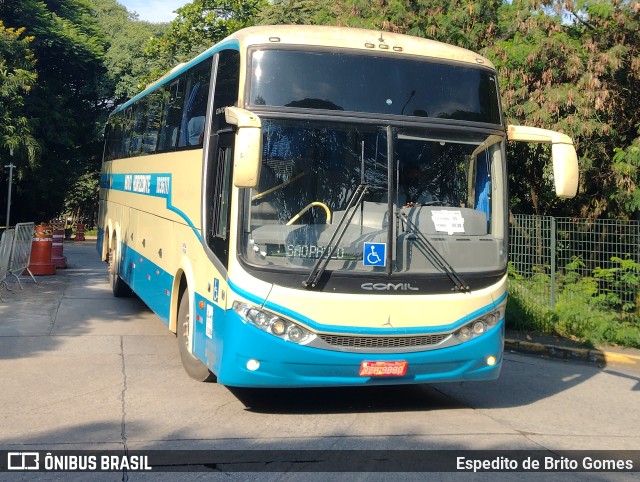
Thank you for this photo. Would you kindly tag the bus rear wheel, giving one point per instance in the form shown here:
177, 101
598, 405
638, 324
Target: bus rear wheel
192, 365
119, 288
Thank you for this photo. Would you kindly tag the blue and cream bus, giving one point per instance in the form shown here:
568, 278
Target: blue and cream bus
319, 206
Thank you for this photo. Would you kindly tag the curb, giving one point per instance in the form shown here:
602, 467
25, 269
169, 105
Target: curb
589, 355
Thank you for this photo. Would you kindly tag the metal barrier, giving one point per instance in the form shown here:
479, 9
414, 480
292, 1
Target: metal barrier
5, 253
543, 249
21, 251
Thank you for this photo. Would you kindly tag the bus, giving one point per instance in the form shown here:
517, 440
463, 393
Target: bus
309, 206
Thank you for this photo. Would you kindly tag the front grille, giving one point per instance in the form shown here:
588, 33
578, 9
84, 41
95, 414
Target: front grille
382, 342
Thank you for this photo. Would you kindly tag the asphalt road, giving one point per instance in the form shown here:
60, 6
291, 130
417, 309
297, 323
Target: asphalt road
80, 370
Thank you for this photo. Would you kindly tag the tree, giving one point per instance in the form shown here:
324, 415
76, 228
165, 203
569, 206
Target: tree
198, 26
64, 105
296, 12
468, 24
126, 37
572, 66
17, 77
81, 198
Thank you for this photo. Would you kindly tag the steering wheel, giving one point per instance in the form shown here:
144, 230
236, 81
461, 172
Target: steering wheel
309, 206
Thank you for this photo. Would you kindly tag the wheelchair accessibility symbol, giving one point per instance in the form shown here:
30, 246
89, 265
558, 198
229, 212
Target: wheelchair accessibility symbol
375, 254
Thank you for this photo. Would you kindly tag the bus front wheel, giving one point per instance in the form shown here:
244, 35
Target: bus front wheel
192, 365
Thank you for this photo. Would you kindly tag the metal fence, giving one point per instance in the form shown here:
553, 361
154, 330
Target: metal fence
550, 253
21, 251
6, 241
15, 254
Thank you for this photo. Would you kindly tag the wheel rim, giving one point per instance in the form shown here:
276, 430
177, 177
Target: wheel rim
185, 332
111, 266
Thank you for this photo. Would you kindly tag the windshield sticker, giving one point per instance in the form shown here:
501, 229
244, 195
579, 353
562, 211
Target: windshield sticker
448, 221
375, 254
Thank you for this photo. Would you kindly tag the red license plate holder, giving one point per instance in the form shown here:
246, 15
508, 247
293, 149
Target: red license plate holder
383, 368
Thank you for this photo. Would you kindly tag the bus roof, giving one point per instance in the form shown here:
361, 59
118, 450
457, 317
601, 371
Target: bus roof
326, 36
355, 38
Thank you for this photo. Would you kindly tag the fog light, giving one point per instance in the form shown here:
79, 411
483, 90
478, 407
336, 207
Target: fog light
253, 365
491, 360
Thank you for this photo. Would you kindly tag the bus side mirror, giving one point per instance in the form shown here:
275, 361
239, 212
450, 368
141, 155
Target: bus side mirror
563, 154
248, 146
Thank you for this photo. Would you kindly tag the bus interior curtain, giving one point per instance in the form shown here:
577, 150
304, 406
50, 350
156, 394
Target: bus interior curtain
483, 185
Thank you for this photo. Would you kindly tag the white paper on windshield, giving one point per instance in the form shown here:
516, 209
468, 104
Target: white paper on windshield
449, 222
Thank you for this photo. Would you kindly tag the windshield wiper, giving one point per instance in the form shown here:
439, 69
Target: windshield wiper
434, 255
336, 237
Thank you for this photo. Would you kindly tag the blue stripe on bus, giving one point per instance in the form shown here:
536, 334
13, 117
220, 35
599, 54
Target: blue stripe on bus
232, 44
158, 185
149, 281
295, 316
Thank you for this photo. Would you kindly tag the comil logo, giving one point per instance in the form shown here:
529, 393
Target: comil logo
388, 287
23, 461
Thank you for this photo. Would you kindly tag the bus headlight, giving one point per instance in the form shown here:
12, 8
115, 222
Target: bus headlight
277, 326
481, 325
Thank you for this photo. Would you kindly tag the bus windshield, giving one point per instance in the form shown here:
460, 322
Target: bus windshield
420, 183
341, 81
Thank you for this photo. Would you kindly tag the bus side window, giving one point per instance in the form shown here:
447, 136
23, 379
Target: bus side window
154, 119
221, 198
221, 157
113, 137
222, 192
226, 90
127, 131
139, 125
171, 116
195, 107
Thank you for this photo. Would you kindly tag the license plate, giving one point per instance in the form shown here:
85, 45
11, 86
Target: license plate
383, 368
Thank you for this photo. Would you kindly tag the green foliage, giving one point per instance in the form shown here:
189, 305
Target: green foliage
588, 308
296, 12
524, 313
198, 26
626, 172
624, 278
17, 77
81, 200
64, 106
463, 23
573, 66
126, 65
576, 316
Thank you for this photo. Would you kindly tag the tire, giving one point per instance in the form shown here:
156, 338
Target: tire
119, 288
192, 365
